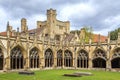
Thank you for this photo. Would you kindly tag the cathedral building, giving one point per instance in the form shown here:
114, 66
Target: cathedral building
51, 45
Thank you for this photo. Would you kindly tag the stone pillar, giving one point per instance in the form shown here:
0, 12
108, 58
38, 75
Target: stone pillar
55, 58
6, 64
108, 65
42, 59
27, 58
90, 63
63, 58
74, 59
27, 63
24, 63
108, 61
7, 59
42, 66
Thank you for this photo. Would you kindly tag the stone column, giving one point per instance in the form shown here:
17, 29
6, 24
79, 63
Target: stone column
55, 59
27, 60
6, 64
42, 58
63, 58
108, 61
74, 59
108, 65
7, 58
90, 63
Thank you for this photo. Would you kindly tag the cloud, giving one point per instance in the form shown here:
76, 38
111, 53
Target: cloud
102, 15
113, 22
81, 10
33, 19
3, 18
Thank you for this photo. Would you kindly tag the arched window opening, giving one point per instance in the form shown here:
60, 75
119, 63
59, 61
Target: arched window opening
59, 58
115, 62
68, 59
82, 59
99, 63
16, 58
49, 58
1, 59
34, 58
99, 59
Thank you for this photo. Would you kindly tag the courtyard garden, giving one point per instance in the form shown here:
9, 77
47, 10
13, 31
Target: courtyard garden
58, 75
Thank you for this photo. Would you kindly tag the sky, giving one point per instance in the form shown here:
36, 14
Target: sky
102, 15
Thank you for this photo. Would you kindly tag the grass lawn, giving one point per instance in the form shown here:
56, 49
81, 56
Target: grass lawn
58, 75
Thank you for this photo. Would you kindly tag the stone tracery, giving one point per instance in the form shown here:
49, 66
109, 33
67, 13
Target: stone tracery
49, 58
82, 59
16, 58
68, 58
34, 58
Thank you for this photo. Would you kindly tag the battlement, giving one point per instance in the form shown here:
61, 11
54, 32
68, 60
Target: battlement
51, 11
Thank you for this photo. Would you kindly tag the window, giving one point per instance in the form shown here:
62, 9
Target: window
46, 35
57, 37
61, 27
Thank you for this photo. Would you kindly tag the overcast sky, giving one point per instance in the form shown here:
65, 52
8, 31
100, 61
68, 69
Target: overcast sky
102, 15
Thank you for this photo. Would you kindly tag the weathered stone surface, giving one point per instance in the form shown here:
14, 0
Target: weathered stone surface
67, 49
84, 73
26, 73
73, 75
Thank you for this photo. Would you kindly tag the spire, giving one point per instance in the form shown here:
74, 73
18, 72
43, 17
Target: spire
108, 37
99, 38
8, 29
8, 26
17, 29
8, 23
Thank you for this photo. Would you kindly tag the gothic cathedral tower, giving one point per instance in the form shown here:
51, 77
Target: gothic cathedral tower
51, 21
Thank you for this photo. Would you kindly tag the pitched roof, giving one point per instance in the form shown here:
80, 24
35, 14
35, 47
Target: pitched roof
96, 38
68, 37
37, 30
3, 33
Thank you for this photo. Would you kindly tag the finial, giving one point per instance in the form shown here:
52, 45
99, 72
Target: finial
17, 29
8, 23
8, 26
99, 38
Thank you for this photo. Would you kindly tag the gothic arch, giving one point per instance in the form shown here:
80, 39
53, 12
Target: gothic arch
99, 53
82, 49
115, 59
99, 58
59, 58
17, 58
82, 59
19, 44
68, 58
99, 63
34, 58
1, 59
49, 58
113, 51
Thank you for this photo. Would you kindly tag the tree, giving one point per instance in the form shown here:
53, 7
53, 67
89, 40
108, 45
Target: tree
114, 34
88, 34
